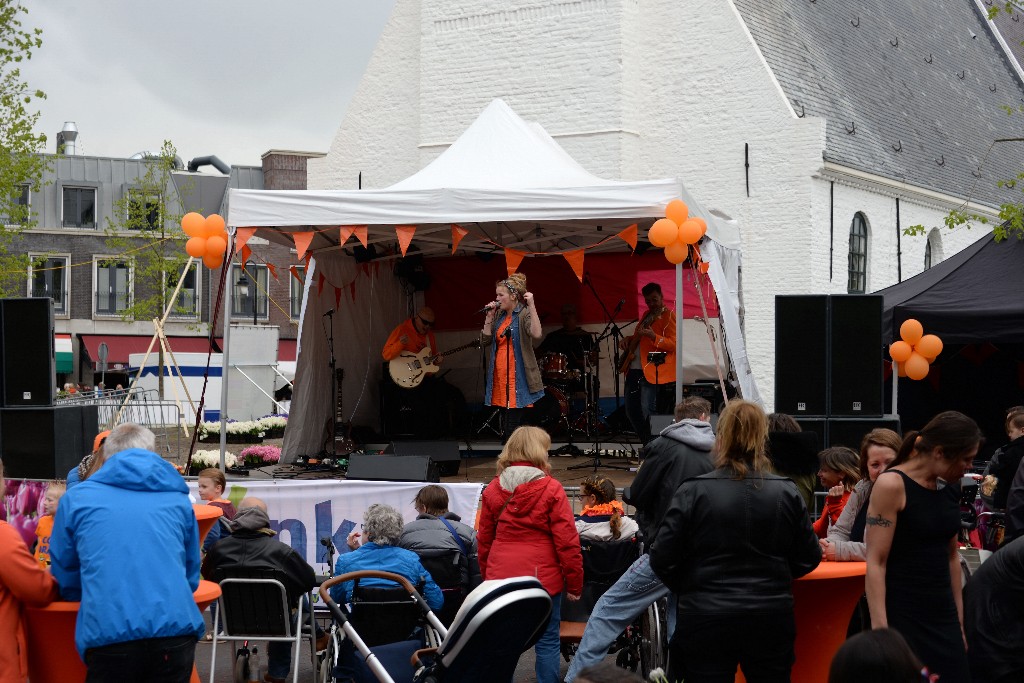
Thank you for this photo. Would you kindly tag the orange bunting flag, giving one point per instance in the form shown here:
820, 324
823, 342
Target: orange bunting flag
344, 232
361, 233
245, 252
575, 259
242, 236
458, 232
273, 270
337, 298
512, 259
320, 283
302, 240
294, 270
404, 233
628, 236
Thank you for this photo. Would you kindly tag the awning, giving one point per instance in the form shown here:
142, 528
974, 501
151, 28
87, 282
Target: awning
119, 347
62, 353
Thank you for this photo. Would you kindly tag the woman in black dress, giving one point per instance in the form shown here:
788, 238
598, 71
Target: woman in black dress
913, 568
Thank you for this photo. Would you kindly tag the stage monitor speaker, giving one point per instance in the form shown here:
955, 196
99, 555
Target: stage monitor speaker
855, 355
848, 431
28, 365
817, 426
46, 442
659, 422
445, 454
392, 468
801, 355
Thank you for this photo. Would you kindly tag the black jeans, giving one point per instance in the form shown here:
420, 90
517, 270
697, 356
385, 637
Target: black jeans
707, 648
157, 660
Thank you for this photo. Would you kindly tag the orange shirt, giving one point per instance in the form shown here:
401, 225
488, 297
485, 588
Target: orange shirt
664, 328
22, 581
416, 341
503, 370
43, 530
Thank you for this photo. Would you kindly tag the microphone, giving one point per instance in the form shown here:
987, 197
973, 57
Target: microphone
326, 542
328, 314
618, 306
489, 307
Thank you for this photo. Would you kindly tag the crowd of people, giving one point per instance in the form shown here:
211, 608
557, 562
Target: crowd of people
725, 533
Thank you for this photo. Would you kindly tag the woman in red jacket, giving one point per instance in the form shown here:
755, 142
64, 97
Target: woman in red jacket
839, 473
527, 529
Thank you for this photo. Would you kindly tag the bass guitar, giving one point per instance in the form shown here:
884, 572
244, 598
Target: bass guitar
634, 341
408, 369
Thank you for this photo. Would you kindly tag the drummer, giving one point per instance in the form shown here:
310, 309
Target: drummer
571, 340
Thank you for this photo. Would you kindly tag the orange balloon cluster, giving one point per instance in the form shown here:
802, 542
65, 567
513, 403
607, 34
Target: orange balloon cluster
208, 238
676, 231
915, 350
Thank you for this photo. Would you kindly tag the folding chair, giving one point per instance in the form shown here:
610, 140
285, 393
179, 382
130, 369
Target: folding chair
257, 609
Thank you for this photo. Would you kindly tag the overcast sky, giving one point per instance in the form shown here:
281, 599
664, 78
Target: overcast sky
231, 78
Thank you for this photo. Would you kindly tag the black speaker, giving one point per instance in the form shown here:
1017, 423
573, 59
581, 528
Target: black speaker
659, 422
801, 355
28, 365
392, 468
817, 426
445, 454
848, 431
855, 355
45, 443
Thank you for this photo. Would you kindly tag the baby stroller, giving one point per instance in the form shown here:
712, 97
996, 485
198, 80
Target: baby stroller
497, 622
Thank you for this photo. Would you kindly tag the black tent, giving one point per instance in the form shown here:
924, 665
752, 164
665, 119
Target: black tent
973, 301
971, 297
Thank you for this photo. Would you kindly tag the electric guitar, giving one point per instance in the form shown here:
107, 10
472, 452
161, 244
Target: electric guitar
408, 369
634, 341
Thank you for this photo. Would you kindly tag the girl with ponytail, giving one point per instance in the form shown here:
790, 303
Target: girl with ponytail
602, 518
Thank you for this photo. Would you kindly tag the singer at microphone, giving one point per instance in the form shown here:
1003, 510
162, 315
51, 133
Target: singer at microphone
491, 305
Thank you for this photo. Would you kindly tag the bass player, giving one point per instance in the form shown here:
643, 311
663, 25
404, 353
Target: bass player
656, 331
413, 334
420, 412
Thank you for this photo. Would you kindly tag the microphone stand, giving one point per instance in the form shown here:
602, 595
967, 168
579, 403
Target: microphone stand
329, 333
508, 373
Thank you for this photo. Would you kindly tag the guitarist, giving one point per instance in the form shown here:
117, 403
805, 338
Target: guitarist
420, 412
656, 331
413, 334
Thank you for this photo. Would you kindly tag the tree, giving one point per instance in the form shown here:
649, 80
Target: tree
21, 162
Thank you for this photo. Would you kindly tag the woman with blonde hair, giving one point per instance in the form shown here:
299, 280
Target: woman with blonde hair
514, 381
527, 529
729, 547
603, 518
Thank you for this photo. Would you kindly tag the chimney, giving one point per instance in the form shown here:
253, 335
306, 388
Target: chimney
66, 139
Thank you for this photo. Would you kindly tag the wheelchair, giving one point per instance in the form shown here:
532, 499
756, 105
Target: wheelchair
643, 646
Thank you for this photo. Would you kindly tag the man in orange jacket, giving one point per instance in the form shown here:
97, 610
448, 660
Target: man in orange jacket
656, 331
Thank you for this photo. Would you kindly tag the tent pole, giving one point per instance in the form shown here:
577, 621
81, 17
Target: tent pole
895, 389
679, 334
225, 364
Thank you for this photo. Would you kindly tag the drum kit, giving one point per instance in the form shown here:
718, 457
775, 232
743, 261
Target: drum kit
563, 384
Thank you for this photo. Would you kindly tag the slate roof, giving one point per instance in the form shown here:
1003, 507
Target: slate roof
911, 91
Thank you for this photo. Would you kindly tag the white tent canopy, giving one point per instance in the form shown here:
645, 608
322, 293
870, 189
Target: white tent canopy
502, 174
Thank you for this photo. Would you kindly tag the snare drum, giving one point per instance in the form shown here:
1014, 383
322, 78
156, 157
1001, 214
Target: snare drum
555, 367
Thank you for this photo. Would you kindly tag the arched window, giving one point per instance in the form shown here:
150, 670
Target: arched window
933, 249
858, 260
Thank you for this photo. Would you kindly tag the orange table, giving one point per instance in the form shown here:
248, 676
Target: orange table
50, 632
823, 602
206, 517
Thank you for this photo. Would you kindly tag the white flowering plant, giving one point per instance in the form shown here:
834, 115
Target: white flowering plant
203, 459
244, 431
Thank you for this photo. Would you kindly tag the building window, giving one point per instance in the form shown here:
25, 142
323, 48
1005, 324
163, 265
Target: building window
933, 249
928, 255
48, 276
295, 291
20, 210
113, 286
143, 211
186, 303
858, 261
250, 286
79, 207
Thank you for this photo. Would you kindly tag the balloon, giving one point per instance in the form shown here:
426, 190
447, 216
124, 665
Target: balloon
677, 211
929, 346
916, 366
196, 247
192, 223
214, 225
662, 233
213, 262
703, 225
901, 369
911, 331
689, 231
900, 351
216, 245
677, 252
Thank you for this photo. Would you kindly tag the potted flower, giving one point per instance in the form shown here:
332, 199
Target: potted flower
259, 456
273, 425
203, 459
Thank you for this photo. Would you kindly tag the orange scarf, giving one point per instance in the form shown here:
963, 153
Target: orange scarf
608, 509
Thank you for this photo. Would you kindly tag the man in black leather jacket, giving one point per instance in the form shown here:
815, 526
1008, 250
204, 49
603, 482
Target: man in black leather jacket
252, 551
681, 451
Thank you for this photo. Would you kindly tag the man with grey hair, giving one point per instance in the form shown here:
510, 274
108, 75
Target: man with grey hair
126, 544
382, 530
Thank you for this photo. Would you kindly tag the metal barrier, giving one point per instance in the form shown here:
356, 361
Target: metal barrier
142, 407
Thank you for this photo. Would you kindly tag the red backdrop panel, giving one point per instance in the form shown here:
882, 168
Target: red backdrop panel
462, 284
